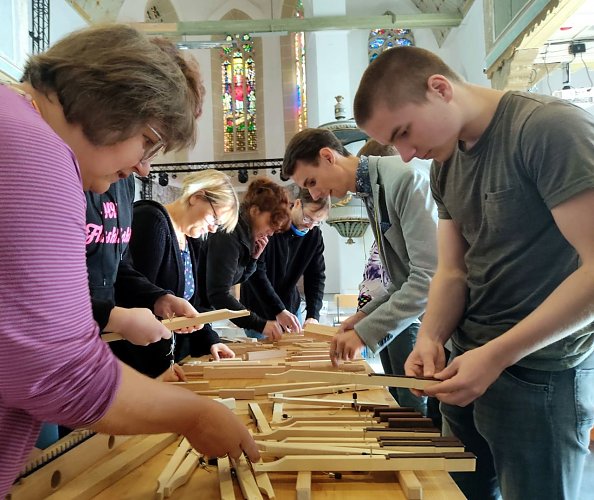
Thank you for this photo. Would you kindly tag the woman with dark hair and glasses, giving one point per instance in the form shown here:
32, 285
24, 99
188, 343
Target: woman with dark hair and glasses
230, 258
290, 255
161, 250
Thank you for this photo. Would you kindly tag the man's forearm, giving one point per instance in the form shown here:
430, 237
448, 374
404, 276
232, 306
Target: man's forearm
445, 305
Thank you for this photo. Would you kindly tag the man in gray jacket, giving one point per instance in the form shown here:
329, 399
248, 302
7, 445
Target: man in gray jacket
403, 218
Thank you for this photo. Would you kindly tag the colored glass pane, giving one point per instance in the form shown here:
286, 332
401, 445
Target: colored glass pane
239, 95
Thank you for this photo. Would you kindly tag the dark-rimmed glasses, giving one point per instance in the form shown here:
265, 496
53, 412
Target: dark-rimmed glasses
215, 217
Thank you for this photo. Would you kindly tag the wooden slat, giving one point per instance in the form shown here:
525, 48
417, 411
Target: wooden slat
96, 479
258, 416
246, 479
225, 479
238, 372
338, 377
174, 462
323, 402
182, 475
267, 354
66, 467
346, 463
410, 484
183, 322
303, 486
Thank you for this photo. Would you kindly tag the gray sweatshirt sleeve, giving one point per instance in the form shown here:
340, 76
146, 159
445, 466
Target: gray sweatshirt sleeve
412, 241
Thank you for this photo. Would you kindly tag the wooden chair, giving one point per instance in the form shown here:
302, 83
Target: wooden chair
344, 301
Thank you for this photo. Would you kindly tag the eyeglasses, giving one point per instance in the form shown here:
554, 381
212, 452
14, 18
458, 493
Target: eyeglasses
153, 149
215, 217
308, 220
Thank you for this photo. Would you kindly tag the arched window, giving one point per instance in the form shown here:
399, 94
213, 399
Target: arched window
380, 40
238, 71
300, 84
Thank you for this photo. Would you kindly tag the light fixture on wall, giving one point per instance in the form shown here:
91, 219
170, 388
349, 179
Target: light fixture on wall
163, 179
242, 175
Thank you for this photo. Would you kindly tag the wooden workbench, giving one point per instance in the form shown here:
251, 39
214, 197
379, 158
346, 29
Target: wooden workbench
141, 483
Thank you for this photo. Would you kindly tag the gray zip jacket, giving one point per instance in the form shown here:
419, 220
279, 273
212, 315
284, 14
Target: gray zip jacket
404, 224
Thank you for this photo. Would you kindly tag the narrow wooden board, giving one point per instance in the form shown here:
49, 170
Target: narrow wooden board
325, 365
258, 417
260, 390
96, 479
453, 462
316, 431
247, 481
303, 485
267, 354
66, 467
203, 318
175, 461
338, 377
183, 322
410, 484
327, 389
225, 372
338, 403
225, 479
192, 385
182, 475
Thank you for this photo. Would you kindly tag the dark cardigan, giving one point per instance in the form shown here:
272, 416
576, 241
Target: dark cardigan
226, 260
156, 254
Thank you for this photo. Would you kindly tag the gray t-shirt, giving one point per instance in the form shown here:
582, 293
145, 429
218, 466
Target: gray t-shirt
536, 153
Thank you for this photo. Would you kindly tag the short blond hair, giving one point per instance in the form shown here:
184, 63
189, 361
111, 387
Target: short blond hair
218, 189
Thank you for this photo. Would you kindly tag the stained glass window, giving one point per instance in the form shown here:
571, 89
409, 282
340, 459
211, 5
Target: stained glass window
300, 84
384, 39
239, 95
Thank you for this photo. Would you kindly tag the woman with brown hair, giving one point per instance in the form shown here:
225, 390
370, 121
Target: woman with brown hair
227, 259
96, 107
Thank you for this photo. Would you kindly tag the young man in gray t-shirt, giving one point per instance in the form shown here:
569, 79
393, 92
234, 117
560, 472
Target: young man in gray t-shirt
514, 289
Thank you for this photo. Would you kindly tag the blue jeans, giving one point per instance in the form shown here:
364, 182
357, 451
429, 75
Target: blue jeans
530, 432
393, 357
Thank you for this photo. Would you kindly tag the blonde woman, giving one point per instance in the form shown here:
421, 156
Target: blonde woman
161, 251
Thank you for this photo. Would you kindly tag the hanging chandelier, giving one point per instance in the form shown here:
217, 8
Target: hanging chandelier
349, 227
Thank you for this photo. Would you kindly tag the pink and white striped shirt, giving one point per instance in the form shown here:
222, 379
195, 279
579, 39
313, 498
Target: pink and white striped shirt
53, 365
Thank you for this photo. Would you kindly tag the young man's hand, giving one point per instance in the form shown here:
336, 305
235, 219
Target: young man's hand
345, 346
351, 321
467, 377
